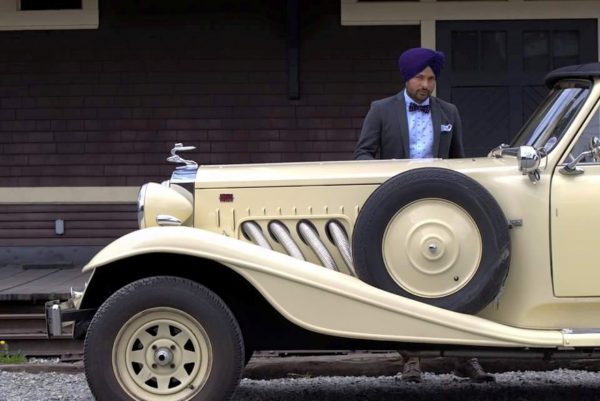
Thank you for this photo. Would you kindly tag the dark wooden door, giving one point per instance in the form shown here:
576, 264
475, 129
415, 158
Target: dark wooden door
495, 71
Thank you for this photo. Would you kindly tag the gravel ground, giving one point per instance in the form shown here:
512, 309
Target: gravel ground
514, 386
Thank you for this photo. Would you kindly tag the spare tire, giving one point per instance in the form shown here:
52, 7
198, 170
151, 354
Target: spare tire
436, 236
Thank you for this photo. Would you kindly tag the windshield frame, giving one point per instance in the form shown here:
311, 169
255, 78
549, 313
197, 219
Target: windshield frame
555, 114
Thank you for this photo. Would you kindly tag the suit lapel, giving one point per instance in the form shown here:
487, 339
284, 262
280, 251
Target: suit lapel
436, 120
403, 123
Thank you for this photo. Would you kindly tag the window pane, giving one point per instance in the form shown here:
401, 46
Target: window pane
465, 52
32, 5
566, 48
536, 54
553, 117
493, 49
583, 143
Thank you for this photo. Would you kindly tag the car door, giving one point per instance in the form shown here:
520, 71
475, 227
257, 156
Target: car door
575, 220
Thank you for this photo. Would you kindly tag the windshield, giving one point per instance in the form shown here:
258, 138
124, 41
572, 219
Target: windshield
554, 115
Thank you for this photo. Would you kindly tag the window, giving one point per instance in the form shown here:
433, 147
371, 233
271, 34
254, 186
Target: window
583, 142
554, 116
17, 15
37, 5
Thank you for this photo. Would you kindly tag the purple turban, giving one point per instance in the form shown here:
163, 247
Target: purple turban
413, 61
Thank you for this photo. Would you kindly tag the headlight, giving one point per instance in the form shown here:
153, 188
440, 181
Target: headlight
157, 200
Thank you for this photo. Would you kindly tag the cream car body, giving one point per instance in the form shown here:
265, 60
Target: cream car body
548, 301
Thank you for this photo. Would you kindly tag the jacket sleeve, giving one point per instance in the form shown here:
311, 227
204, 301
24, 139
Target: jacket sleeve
370, 135
456, 145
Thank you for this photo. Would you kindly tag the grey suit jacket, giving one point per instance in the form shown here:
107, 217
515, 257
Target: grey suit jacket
384, 132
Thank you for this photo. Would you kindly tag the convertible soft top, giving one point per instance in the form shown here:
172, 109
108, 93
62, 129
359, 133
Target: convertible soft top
586, 71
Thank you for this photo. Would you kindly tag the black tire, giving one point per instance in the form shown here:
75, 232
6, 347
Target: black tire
163, 338
382, 220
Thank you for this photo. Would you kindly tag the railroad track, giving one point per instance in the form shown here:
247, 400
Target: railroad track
24, 329
26, 333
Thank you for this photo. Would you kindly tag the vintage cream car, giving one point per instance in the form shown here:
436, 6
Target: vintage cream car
490, 256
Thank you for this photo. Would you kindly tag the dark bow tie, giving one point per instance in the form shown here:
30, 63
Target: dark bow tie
417, 107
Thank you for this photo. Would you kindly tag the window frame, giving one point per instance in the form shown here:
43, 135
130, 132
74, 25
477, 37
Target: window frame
12, 18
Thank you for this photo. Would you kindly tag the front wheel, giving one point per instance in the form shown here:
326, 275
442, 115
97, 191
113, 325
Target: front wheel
163, 338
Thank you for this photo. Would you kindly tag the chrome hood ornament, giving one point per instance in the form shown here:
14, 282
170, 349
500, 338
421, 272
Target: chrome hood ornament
175, 158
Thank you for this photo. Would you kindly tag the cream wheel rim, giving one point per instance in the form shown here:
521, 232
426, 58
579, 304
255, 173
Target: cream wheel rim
432, 248
162, 352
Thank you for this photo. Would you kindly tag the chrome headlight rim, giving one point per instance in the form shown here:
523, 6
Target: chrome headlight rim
141, 200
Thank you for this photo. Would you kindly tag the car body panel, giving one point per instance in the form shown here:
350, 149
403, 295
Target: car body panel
325, 301
574, 216
575, 220
520, 304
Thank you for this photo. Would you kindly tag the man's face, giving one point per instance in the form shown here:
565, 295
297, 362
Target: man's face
421, 85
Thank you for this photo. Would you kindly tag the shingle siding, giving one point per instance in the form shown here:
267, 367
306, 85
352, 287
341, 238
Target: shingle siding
113, 101
85, 225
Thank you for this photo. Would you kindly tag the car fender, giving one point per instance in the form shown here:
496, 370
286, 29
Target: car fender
323, 300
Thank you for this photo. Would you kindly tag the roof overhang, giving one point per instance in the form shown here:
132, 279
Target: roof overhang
357, 12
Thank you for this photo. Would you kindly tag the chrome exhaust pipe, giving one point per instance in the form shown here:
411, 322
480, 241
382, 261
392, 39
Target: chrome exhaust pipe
282, 235
311, 237
338, 234
254, 232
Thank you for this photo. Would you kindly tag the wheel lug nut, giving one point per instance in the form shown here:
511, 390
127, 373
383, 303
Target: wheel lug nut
154, 366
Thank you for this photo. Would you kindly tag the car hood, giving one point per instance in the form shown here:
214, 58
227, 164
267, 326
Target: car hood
355, 172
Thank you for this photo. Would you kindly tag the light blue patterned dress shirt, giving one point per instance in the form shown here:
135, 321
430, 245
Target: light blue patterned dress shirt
420, 128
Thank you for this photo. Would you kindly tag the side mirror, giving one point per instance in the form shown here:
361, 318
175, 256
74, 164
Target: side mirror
529, 159
572, 169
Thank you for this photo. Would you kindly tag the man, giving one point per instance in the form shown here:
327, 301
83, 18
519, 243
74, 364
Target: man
413, 124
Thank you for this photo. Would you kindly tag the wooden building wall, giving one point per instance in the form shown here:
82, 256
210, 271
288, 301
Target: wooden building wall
103, 107
89, 224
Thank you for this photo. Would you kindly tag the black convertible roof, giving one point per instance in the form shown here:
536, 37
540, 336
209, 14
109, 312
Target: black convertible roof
585, 71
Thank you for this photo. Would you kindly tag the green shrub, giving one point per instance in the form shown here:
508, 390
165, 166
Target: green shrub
7, 357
